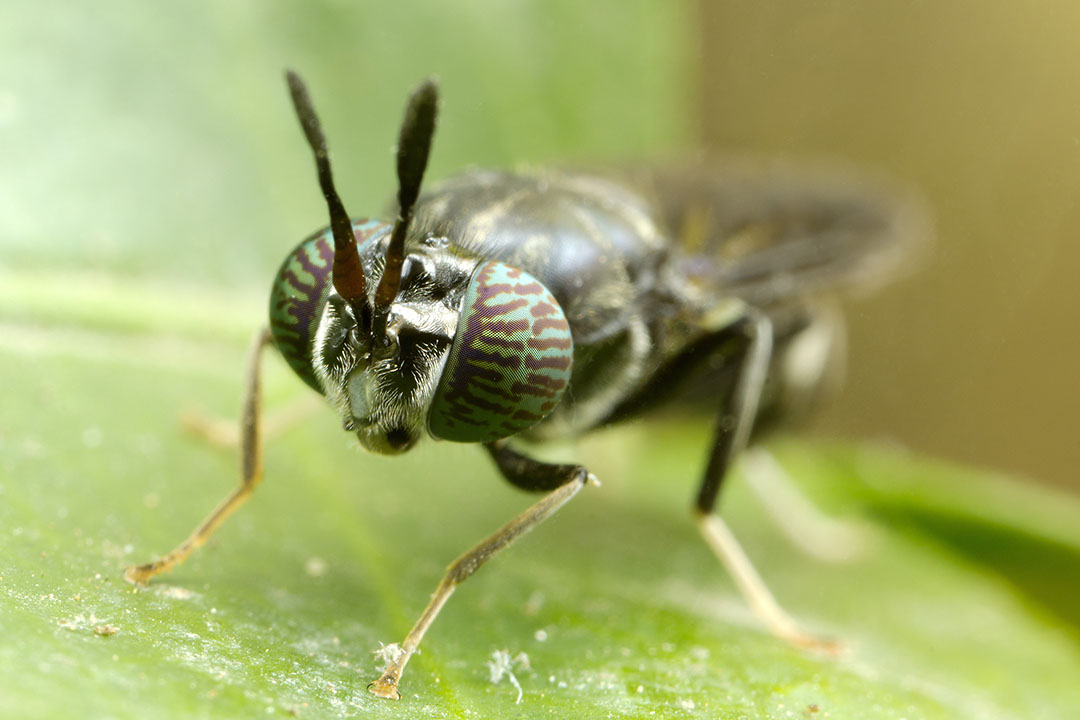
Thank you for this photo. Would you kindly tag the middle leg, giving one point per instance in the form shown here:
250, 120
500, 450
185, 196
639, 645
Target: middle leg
751, 339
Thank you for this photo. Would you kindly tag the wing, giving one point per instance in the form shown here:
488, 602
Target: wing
769, 233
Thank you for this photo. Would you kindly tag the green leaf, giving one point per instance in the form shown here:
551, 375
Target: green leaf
963, 605
153, 177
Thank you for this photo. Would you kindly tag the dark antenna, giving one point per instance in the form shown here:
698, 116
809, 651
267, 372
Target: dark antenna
414, 145
348, 274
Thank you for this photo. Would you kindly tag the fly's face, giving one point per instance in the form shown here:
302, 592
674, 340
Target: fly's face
384, 389
471, 351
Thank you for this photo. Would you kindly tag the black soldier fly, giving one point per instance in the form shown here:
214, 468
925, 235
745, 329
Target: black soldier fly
549, 303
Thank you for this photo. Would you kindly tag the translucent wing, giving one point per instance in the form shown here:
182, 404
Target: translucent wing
770, 233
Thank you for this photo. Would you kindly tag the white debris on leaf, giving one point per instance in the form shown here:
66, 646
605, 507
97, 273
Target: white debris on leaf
174, 592
386, 654
502, 665
315, 567
81, 622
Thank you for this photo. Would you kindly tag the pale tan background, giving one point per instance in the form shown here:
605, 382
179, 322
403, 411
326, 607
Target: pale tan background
978, 105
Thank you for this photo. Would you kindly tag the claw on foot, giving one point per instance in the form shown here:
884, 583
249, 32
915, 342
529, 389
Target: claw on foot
385, 687
813, 643
139, 574
219, 433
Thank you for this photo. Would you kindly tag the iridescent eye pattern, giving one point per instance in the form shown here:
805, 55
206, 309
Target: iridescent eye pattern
510, 362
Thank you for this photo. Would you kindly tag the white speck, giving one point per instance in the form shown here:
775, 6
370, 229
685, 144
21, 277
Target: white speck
540, 635
175, 592
534, 603
88, 622
386, 654
92, 437
667, 647
686, 704
315, 567
502, 665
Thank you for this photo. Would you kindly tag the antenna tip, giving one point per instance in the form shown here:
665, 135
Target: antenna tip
423, 105
295, 83
428, 88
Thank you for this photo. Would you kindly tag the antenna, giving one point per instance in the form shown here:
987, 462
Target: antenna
348, 274
414, 146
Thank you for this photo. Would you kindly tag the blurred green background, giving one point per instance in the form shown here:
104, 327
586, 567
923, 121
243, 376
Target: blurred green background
152, 176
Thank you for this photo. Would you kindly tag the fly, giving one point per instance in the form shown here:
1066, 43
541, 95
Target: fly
505, 305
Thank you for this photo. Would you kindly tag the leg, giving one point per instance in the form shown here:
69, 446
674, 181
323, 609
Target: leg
224, 433
738, 411
251, 473
564, 482
824, 538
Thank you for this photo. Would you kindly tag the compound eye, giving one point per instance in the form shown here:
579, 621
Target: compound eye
301, 292
510, 361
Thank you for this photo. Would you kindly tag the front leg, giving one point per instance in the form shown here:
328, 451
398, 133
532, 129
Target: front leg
251, 468
563, 482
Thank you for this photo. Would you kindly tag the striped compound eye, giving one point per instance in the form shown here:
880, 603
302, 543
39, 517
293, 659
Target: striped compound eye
510, 361
301, 288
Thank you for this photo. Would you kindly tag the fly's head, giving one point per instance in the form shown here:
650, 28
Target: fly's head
402, 335
383, 385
